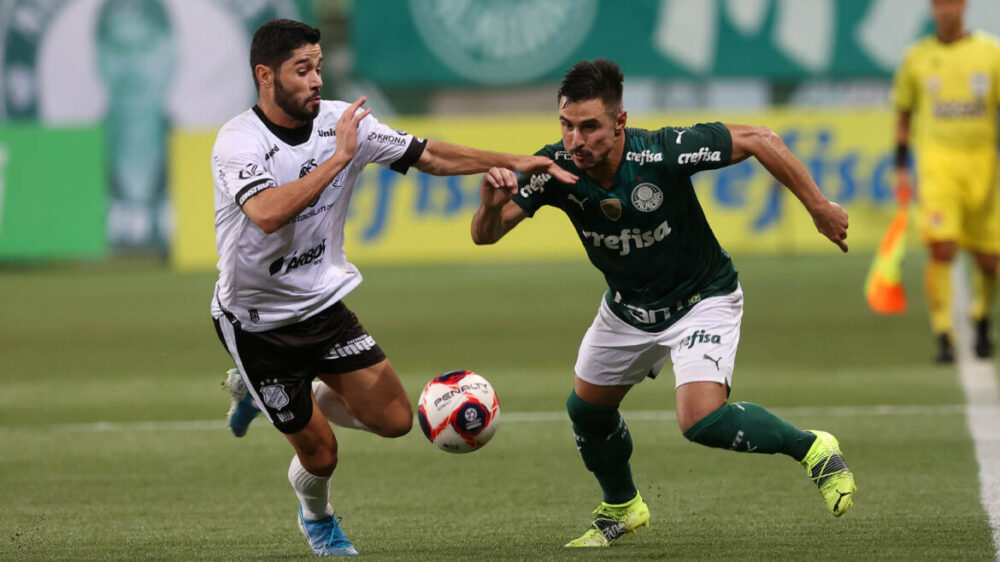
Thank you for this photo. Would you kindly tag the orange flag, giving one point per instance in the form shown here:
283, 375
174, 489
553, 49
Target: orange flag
884, 286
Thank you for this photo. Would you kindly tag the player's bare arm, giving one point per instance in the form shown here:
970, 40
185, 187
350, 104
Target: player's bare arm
274, 207
772, 152
903, 180
445, 159
496, 214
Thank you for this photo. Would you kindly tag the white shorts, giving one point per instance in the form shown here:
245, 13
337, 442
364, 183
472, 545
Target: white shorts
702, 345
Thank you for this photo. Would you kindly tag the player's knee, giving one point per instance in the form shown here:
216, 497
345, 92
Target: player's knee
320, 461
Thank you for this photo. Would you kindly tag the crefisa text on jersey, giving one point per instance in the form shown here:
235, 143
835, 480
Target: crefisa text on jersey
643, 157
628, 237
703, 155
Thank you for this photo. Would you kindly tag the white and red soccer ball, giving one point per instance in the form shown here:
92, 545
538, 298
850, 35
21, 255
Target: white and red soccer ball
458, 411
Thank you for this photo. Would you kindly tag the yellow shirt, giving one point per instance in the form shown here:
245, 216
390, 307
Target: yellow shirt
952, 90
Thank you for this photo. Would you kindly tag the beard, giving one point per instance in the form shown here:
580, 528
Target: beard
287, 103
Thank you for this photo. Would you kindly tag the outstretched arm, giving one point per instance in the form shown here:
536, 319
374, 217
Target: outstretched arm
445, 159
762, 143
496, 214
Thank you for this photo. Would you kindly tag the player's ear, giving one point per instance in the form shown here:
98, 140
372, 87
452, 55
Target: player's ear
620, 122
265, 75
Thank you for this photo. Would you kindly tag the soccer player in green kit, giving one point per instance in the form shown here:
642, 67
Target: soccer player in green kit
672, 289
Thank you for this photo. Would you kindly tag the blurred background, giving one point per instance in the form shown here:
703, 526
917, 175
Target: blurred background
113, 441
109, 108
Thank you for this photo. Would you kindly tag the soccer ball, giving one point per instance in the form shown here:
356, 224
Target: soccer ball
458, 411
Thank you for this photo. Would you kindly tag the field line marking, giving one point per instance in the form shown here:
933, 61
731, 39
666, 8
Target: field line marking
521, 417
982, 398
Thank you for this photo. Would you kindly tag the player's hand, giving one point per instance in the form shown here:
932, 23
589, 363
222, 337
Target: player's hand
497, 187
831, 221
904, 186
543, 165
346, 129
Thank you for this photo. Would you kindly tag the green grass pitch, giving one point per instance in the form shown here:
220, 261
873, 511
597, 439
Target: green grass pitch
132, 345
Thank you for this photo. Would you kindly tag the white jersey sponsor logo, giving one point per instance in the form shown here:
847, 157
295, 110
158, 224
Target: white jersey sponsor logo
703, 155
535, 185
643, 157
628, 238
353, 347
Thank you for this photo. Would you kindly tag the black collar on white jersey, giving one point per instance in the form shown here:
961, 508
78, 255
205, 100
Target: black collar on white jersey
291, 137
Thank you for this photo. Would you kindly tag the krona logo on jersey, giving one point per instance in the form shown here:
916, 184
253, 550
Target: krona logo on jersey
312, 255
703, 155
643, 157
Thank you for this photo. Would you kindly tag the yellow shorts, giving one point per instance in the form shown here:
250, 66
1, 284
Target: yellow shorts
958, 198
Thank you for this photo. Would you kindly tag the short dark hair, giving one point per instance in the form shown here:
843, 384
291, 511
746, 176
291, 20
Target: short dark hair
586, 80
274, 42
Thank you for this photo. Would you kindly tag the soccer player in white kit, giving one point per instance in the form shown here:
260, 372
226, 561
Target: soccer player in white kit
284, 172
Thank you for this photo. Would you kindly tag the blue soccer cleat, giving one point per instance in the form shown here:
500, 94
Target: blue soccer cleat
325, 537
242, 410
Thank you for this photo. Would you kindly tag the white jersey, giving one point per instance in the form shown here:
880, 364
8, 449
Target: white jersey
271, 280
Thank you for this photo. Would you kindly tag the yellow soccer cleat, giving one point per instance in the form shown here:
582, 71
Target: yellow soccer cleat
825, 465
613, 521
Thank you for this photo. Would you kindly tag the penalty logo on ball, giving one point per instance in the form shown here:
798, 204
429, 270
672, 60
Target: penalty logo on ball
458, 411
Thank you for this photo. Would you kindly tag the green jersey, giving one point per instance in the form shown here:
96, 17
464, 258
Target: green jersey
647, 234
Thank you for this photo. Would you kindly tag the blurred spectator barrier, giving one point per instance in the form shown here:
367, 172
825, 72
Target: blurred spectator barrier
139, 68
456, 42
53, 194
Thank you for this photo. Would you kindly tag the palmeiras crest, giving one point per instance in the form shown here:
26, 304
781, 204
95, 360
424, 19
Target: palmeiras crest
612, 208
647, 197
274, 396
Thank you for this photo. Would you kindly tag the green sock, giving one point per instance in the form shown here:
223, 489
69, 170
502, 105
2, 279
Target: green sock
605, 445
750, 428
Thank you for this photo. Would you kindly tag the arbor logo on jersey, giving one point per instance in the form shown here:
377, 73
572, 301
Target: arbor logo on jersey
643, 157
535, 184
647, 197
703, 155
313, 255
628, 238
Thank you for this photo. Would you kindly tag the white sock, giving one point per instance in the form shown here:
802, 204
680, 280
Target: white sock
333, 407
313, 491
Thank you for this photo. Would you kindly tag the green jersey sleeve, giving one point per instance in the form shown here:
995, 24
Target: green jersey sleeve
703, 146
536, 190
